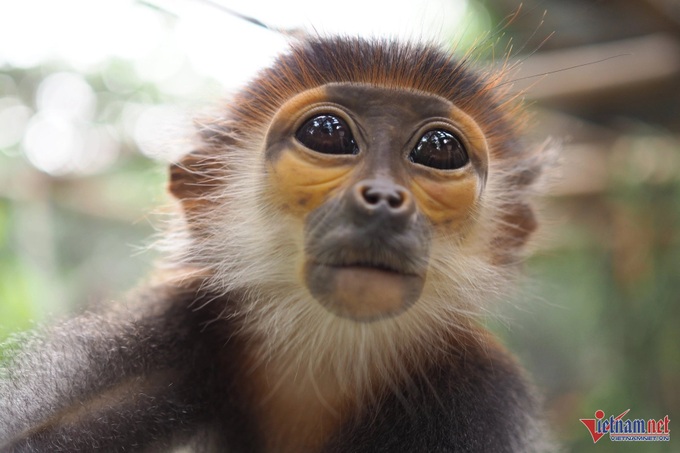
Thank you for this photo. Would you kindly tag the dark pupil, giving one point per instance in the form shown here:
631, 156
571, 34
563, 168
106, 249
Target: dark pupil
439, 149
327, 134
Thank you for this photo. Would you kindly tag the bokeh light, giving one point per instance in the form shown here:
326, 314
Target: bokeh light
14, 116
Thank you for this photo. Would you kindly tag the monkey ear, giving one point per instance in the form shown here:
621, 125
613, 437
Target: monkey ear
196, 177
518, 223
193, 180
185, 179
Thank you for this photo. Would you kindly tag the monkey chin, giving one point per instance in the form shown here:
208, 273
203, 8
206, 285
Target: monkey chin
362, 293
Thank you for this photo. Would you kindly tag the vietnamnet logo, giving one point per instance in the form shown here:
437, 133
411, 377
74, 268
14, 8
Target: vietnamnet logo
627, 430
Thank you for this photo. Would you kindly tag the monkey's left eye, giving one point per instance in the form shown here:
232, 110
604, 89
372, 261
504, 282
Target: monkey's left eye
327, 134
441, 150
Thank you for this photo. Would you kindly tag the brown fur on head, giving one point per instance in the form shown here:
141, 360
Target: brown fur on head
237, 231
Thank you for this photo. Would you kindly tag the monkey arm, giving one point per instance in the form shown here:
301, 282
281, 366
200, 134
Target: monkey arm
136, 412
103, 381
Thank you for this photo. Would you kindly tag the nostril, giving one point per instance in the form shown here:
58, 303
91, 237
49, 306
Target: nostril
375, 195
371, 197
395, 200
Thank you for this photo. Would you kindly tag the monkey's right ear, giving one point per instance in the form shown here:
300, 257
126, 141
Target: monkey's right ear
198, 176
193, 180
184, 180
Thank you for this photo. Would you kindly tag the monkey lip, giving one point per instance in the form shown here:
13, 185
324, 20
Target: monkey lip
369, 270
369, 267
363, 292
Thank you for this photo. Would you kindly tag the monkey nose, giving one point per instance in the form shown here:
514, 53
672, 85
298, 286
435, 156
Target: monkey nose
382, 197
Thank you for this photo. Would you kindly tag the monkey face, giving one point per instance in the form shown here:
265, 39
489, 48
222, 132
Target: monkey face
367, 176
373, 173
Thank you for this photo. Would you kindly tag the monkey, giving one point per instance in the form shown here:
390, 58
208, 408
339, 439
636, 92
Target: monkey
342, 222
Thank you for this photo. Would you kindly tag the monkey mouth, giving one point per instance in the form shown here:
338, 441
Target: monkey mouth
386, 258
363, 291
371, 266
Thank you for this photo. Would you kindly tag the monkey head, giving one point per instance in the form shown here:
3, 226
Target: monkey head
369, 177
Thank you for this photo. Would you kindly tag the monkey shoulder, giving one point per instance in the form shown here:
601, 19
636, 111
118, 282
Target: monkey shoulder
135, 373
477, 400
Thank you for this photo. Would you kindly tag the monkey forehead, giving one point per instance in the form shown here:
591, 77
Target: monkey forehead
377, 101
320, 62
366, 100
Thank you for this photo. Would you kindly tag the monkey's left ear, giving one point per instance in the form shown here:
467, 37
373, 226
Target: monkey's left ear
519, 222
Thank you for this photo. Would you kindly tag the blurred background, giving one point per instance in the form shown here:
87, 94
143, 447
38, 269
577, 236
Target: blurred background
96, 97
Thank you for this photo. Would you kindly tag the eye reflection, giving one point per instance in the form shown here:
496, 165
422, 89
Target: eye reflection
327, 134
439, 149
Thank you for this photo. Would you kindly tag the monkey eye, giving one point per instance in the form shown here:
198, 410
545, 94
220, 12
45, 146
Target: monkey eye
327, 134
439, 149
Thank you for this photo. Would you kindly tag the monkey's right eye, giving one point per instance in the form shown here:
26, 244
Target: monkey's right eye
327, 134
